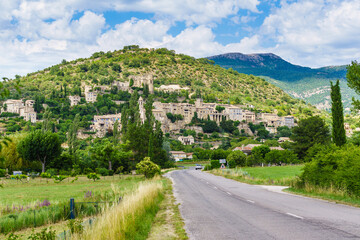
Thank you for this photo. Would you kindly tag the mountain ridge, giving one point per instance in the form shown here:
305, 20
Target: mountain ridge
296, 80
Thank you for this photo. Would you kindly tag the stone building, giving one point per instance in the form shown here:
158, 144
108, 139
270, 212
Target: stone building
25, 110
74, 100
90, 94
141, 80
188, 140
104, 123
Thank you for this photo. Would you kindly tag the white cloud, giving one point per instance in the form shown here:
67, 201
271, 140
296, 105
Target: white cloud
315, 33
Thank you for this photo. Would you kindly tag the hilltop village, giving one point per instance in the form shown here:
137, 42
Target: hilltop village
161, 111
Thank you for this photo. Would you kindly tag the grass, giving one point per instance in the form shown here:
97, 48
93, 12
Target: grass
330, 194
23, 193
132, 218
278, 175
168, 223
44, 203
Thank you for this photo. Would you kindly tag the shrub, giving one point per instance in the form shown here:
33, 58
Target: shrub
111, 172
45, 175
102, 171
238, 157
215, 164
148, 168
60, 178
2, 172
88, 170
93, 176
232, 163
334, 167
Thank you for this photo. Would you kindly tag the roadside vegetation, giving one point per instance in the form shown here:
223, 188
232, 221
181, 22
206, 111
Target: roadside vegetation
275, 175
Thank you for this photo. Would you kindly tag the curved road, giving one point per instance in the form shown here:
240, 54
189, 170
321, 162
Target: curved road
214, 207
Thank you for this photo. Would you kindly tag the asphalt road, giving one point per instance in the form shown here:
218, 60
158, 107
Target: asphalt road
214, 207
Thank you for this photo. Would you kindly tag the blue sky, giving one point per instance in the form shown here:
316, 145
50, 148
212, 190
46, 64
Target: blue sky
35, 34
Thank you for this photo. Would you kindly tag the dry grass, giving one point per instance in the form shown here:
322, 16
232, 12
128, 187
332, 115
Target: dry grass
168, 223
122, 221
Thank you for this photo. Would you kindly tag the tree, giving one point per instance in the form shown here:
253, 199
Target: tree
238, 156
47, 124
309, 131
72, 135
353, 80
219, 108
258, 153
148, 168
338, 130
40, 146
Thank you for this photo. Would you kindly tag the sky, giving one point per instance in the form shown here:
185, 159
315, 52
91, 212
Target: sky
35, 34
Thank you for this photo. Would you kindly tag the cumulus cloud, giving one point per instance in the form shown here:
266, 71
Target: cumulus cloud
315, 32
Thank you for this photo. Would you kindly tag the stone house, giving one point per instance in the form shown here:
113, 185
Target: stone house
141, 80
104, 123
25, 110
188, 140
74, 100
178, 155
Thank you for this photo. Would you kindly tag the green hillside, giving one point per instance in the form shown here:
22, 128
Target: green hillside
52, 86
311, 85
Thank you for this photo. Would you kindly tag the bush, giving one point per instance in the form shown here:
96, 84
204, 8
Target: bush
238, 157
102, 171
215, 164
148, 168
232, 163
334, 167
45, 175
93, 176
88, 170
111, 172
2, 172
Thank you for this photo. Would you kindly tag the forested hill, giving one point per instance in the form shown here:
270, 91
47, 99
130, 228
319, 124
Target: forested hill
204, 79
271, 65
310, 84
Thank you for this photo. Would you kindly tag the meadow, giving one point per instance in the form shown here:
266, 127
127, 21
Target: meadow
37, 202
274, 175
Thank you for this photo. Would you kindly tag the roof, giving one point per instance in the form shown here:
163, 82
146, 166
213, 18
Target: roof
177, 152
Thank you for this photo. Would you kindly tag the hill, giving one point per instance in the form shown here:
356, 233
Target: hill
306, 83
198, 78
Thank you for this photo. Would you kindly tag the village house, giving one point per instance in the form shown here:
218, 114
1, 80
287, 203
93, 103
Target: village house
74, 100
104, 123
248, 148
180, 155
172, 88
25, 110
188, 140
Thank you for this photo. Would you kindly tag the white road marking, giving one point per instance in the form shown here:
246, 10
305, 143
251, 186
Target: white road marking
250, 201
295, 216
215, 187
228, 193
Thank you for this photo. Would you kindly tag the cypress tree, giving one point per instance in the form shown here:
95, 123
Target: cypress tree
338, 130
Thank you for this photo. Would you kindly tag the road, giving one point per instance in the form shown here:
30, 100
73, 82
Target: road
214, 207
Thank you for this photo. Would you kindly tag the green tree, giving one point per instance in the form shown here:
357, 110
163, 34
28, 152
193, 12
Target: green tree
72, 136
40, 146
353, 80
238, 156
148, 168
337, 114
219, 108
310, 131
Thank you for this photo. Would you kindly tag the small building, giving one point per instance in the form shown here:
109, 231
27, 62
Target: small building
74, 100
188, 140
284, 139
178, 155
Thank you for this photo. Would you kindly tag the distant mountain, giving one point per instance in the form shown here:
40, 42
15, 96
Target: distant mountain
306, 83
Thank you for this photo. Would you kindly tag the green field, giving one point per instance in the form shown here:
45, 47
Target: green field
16, 192
277, 175
40, 201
